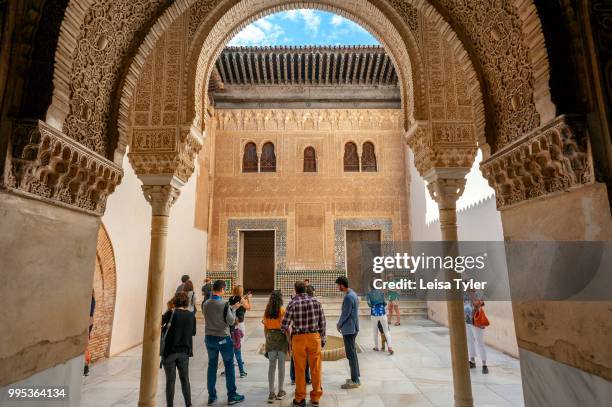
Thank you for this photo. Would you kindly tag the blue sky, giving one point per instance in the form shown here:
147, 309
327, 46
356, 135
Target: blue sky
303, 27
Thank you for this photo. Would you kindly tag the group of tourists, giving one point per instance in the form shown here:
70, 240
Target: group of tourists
297, 332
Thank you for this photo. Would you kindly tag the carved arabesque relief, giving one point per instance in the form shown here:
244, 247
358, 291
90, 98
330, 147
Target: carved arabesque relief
450, 93
308, 119
44, 163
496, 32
163, 151
442, 145
104, 39
551, 159
94, 60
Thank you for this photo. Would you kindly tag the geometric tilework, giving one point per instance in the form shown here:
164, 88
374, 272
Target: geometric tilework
324, 281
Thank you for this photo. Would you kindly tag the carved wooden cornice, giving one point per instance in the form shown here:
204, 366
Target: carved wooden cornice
307, 65
553, 158
165, 151
308, 119
45, 164
442, 145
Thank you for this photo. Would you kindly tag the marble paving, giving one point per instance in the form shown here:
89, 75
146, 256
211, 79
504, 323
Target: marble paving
419, 374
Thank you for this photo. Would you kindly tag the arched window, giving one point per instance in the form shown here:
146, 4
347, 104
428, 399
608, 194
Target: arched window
268, 158
368, 158
249, 158
310, 160
351, 158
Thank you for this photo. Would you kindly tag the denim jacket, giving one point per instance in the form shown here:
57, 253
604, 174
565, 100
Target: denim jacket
348, 324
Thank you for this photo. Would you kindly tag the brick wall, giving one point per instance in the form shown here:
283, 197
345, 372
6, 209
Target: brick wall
105, 285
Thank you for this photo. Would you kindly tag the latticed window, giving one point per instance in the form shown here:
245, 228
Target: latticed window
368, 158
310, 160
249, 158
351, 158
268, 158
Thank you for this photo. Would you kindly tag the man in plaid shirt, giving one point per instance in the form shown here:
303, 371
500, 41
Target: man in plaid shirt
305, 320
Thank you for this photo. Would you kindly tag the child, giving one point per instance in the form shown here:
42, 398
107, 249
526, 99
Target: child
237, 335
276, 344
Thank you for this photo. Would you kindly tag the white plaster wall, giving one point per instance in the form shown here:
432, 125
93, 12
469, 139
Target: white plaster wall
478, 220
418, 205
128, 222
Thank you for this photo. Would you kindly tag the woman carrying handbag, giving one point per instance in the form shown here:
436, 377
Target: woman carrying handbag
176, 347
475, 321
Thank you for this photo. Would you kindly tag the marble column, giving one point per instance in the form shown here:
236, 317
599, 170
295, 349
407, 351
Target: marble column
446, 186
161, 198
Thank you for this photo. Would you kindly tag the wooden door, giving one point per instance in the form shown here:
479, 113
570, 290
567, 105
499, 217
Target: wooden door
358, 260
258, 261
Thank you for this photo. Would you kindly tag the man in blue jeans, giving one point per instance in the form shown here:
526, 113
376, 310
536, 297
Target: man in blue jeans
348, 325
219, 316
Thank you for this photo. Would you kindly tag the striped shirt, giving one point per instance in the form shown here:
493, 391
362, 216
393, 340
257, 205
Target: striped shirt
306, 314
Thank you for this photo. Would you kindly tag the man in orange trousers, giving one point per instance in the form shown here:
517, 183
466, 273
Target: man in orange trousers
304, 316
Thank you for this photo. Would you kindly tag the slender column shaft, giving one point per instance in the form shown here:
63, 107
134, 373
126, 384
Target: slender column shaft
155, 292
445, 188
456, 323
161, 199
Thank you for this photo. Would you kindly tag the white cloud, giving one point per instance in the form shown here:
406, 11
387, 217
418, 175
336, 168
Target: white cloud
261, 32
300, 26
341, 27
291, 15
264, 23
337, 20
310, 18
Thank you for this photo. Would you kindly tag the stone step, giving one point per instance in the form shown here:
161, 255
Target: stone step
334, 308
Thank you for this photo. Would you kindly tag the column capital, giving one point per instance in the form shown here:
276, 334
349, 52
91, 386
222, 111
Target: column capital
165, 151
441, 145
446, 185
161, 198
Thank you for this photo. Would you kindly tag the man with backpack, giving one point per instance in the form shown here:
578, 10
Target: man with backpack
218, 317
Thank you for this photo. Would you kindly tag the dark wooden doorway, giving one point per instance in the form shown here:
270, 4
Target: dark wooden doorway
358, 261
258, 261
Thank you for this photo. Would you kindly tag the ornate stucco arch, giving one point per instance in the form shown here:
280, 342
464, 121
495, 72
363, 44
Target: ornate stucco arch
85, 103
208, 44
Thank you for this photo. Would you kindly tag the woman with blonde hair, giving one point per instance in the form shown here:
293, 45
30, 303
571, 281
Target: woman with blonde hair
188, 289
